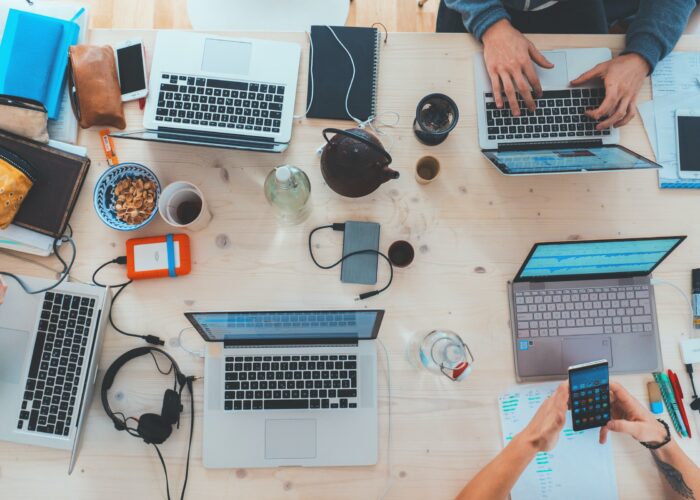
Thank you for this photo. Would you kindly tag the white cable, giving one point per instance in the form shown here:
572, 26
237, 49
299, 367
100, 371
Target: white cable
655, 281
388, 438
182, 346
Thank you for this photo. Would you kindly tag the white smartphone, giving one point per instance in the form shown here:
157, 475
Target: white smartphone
688, 143
131, 69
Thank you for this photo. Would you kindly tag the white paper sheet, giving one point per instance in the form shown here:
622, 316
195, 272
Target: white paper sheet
677, 72
578, 467
65, 127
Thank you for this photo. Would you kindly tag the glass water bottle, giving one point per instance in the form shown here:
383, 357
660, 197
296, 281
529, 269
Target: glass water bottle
288, 190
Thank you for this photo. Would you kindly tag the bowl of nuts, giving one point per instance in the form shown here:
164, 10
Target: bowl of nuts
126, 196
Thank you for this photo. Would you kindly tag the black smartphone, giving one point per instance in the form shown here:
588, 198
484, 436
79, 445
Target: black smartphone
589, 391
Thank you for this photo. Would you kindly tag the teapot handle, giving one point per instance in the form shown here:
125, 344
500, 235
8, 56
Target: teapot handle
348, 133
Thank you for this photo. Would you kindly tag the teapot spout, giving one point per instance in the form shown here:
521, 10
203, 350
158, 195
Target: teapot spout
389, 174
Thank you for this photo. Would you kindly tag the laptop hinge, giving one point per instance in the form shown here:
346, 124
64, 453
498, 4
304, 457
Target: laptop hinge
534, 146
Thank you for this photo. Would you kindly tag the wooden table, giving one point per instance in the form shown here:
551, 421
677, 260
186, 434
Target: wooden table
471, 229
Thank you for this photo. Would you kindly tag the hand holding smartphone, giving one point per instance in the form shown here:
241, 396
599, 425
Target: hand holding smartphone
688, 143
589, 392
131, 69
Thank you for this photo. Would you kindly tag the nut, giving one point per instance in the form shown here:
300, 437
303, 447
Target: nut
135, 200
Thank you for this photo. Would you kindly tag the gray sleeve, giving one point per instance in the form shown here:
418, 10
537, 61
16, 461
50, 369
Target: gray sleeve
478, 15
657, 27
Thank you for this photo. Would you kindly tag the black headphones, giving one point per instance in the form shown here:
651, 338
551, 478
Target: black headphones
151, 427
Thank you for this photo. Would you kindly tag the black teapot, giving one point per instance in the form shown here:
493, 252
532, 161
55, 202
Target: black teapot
354, 163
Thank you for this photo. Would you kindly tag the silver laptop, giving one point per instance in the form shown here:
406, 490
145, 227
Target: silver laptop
557, 137
209, 90
290, 388
49, 349
577, 301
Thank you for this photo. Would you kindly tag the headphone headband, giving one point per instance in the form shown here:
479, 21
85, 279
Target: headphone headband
118, 363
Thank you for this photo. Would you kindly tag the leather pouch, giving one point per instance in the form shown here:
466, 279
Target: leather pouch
16, 179
94, 87
25, 117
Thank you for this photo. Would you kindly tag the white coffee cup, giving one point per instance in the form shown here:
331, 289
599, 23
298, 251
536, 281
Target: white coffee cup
182, 205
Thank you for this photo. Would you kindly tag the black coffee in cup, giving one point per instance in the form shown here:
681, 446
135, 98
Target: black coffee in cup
188, 211
401, 253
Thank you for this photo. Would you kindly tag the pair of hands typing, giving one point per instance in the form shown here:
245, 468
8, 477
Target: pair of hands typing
629, 416
509, 57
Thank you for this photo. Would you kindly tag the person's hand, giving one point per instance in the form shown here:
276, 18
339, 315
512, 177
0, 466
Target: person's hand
623, 76
3, 289
629, 416
545, 427
509, 55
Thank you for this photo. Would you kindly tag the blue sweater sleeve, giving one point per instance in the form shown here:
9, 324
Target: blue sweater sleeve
657, 27
479, 15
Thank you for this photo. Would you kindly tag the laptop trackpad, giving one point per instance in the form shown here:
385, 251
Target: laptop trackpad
584, 350
291, 438
13, 346
558, 76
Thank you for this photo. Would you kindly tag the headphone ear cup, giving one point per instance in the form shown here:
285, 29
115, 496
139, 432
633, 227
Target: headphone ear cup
153, 429
171, 407
695, 405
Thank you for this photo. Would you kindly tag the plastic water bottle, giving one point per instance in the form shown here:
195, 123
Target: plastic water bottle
441, 352
288, 190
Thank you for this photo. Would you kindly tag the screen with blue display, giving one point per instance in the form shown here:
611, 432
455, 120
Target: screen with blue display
598, 258
540, 161
286, 325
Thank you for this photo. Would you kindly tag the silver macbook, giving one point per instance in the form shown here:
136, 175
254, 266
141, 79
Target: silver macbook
290, 388
557, 137
49, 349
578, 301
210, 90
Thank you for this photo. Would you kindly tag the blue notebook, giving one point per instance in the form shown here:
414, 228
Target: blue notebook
34, 56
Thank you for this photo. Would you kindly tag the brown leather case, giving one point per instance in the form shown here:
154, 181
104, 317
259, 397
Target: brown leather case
60, 175
95, 94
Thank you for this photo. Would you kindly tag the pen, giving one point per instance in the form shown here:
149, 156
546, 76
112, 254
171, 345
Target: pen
674, 405
679, 399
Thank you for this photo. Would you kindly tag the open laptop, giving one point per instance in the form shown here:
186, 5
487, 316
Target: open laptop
49, 349
577, 301
290, 388
558, 137
210, 90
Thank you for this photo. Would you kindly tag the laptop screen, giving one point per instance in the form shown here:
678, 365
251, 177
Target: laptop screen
562, 159
285, 326
596, 259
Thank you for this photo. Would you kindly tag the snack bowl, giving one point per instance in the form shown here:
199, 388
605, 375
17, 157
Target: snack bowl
104, 198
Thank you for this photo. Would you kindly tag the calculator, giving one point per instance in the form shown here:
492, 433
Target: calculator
590, 395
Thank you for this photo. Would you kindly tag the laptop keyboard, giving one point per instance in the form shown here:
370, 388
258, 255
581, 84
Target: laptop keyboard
584, 311
57, 362
290, 382
225, 104
559, 113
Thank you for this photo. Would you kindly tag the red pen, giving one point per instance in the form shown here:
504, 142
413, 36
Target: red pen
678, 391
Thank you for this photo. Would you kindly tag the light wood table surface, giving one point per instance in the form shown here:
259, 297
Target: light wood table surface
471, 229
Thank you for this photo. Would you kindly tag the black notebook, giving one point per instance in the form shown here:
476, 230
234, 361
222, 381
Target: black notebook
332, 71
60, 177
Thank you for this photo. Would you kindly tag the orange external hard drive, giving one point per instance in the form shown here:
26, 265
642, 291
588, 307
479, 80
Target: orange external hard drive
158, 257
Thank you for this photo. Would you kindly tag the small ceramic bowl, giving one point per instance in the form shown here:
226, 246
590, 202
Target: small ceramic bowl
103, 197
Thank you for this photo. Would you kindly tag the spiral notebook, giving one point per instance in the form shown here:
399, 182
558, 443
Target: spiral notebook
332, 71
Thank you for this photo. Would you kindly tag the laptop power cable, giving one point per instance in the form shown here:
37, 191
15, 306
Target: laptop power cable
151, 339
339, 226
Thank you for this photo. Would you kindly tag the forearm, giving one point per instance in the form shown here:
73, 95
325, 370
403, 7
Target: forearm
680, 476
478, 15
657, 27
497, 479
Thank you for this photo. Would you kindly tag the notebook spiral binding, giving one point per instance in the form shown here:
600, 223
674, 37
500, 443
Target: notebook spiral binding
375, 73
